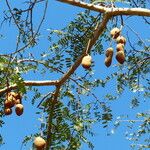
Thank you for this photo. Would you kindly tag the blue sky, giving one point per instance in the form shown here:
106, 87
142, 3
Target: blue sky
15, 128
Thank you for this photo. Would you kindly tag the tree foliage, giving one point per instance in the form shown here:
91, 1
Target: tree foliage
72, 103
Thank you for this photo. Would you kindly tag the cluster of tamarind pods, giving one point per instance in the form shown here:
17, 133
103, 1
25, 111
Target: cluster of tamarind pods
120, 54
13, 99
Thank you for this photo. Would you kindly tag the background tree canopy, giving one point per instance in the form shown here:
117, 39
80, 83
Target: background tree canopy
43, 65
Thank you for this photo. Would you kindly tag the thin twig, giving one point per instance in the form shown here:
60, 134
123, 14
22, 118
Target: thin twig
40, 24
137, 35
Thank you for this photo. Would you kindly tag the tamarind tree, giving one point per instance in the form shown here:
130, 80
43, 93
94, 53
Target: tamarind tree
42, 65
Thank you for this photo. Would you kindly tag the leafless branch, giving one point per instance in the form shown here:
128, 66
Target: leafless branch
30, 83
114, 11
37, 31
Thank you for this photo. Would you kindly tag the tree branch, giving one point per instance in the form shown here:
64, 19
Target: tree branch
30, 83
85, 5
52, 103
114, 11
